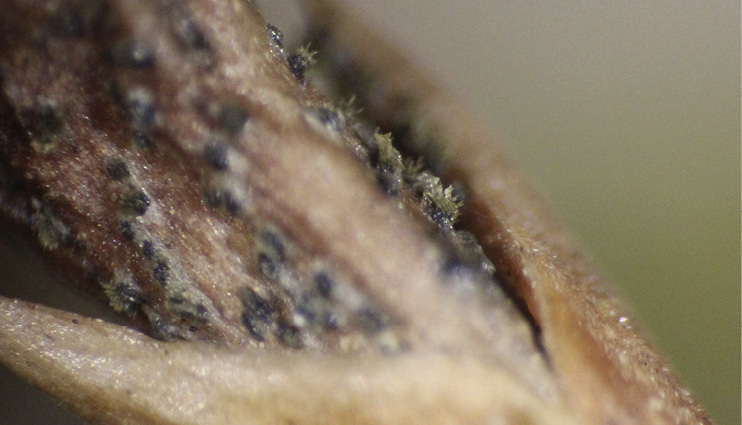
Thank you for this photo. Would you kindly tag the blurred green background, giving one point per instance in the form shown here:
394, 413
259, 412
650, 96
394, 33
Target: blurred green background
626, 114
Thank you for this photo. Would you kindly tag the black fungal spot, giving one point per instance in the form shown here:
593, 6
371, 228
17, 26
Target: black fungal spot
324, 284
141, 109
164, 330
188, 33
148, 249
330, 118
289, 336
136, 203
127, 229
257, 313
214, 198
372, 320
437, 214
233, 206
218, 198
117, 169
232, 118
298, 65
216, 156
307, 309
454, 265
276, 35
131, 297
439, 217
330, 321
261, 308
268, 266
274, 243
141, 139
50, 229
44, 125
186, 310
161, 272
176, 300
272, 252
389, 182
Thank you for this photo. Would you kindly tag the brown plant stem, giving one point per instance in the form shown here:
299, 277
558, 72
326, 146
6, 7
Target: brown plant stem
176, 159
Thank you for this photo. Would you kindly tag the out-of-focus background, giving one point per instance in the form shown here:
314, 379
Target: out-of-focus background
627, 116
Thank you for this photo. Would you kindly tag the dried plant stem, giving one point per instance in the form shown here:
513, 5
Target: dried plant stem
175, 159
127, 377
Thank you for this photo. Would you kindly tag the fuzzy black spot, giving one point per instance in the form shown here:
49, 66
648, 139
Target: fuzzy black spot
257, 313
216, 156
454, 265
324, 284
389, 182
274, 243
218, 198
187, 311
50, 229
289, 336
232, 118
130, 296
127, 229
233, 206
260, 308
43, 125
213, 198
161, 272
117, 169
268, 266
141, 109
307, 309
148, 249
437, 215
136, 203
330, 321
372, 320
176, 300
164, 330
276, 35
188, 34
141, 139
298, 65
330, 118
